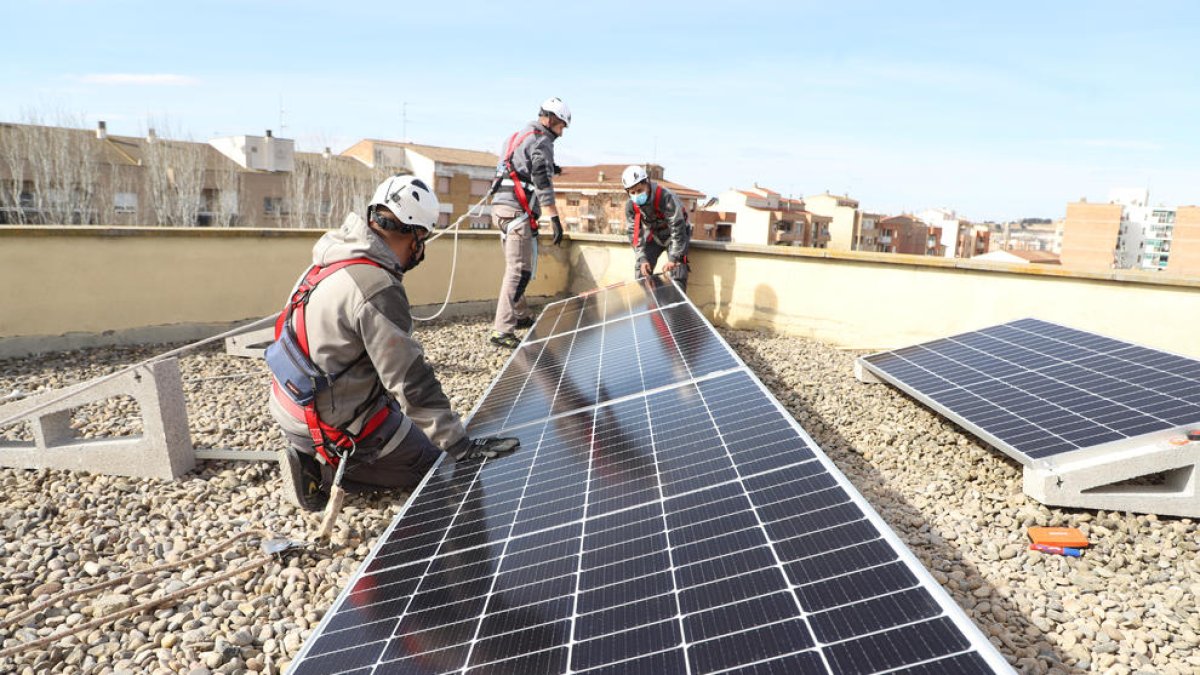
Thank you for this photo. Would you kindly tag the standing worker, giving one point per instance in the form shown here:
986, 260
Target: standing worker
349, 383
657, 222
522, 191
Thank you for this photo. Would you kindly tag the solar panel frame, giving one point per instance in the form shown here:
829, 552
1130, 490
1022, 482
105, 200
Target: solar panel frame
1121, 426
977, 644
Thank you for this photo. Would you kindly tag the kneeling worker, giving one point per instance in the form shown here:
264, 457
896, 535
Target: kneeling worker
657, 222
350, 384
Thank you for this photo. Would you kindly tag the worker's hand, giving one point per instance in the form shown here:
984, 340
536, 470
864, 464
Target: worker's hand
558, 232
670, 266
485, 448
557, 170
646, 269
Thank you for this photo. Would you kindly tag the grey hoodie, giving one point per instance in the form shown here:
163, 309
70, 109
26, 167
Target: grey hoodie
358, 318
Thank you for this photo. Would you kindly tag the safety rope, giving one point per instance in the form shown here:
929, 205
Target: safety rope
453, 260
72, 391
12, 624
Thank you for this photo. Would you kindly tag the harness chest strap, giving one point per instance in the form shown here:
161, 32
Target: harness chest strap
637, 218
514, 142
322, 434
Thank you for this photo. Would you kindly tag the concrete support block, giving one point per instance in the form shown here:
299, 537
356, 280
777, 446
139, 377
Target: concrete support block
164, 450
863, 374
1102, 482
250, 345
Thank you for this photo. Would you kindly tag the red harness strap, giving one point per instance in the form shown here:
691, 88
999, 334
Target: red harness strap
514, 142
637, 219
322, 434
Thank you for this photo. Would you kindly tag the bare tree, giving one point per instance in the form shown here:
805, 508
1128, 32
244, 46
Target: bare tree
224, 206
174, 173
54, 171
14, 154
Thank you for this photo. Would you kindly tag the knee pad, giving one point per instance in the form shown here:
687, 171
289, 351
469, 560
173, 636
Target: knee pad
519, 292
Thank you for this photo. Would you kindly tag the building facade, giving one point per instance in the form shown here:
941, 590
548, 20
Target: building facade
765, 217
1185, 242
460, 178
1090, 235
591, 198
908, 235
845, 218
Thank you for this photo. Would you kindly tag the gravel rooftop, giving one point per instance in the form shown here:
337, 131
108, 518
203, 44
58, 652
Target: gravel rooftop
1129, 605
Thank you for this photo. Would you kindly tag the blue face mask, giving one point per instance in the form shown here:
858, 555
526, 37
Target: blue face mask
640, 198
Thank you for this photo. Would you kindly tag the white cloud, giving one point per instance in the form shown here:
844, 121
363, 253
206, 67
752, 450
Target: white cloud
140, 79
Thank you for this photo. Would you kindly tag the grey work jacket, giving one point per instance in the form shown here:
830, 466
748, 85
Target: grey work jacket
667, 224
363, 309
533, 160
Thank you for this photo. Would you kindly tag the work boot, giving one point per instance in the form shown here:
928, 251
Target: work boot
302, 479
525, 322
505, 340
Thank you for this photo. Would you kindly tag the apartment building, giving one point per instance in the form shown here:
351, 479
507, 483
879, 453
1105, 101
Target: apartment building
869, 233
845, 218
1090, 235
1185, 244
973, 240
767, 218
56, 175
713, 225
460, 178
591, 199
909, 235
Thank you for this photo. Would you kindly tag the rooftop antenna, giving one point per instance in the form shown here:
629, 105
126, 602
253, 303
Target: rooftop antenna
404, 118
282, 124
654, 152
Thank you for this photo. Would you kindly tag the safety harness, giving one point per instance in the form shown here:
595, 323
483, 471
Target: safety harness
515, 142
297, 380
637, 219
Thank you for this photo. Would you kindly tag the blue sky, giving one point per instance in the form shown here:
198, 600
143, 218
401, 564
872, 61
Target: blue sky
1000, 110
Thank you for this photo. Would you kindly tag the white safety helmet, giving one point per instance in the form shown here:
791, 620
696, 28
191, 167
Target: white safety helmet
632, 175
556, 107
409, 199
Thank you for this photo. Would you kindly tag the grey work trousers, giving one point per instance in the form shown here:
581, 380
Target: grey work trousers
518, 267
401, 469
654, 251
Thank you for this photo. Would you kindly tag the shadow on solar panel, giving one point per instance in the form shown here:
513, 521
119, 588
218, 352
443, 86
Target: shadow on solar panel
663, 515
1096, 422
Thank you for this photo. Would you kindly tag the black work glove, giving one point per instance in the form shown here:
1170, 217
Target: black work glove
557, 170
485, 448
558, 232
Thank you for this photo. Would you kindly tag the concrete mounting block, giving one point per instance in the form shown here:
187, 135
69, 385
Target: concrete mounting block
164, 450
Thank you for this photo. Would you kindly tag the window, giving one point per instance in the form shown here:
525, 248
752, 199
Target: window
443, 185
272, 206
573, 200
125, 202
443, 220
326, 207
480, 187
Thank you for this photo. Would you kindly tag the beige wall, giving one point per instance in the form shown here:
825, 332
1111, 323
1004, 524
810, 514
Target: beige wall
59, 280
55, 281
885, 300
1090, 234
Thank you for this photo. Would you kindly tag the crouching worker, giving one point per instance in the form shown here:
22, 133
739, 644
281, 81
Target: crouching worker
350, 384
657, 222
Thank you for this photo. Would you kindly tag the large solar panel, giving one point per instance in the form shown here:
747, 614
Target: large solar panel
657, 518
1038, 390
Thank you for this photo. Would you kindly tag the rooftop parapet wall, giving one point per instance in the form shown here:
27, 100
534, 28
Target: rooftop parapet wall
66, 287
880, 300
